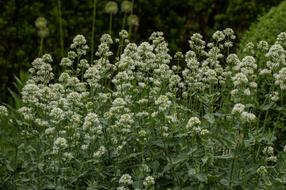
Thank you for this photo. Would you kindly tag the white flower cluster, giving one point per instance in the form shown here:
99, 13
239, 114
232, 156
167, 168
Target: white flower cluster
100, 152
41, 71
126, 180
119, 102
280, 79
262, 170
59, 144
91, 121
3, 111
149, 181
79, 44
244, 79
269, 152
239, 109
163, 102
193, 121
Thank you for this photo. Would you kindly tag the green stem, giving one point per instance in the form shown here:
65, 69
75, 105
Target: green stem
263, 130
129, 32
61, 27
41, 46
124, 20
232, 167
132, 7
110, 24
93, 30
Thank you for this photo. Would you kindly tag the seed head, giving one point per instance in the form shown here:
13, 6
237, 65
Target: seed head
111, 8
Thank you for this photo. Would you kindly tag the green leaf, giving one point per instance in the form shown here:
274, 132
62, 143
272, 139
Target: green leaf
224, 157
210, 118
201, 177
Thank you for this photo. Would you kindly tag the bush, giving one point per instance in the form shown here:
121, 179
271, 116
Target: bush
177, 19
266, 29
134, 118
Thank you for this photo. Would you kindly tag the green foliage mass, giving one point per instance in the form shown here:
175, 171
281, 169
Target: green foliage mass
177, 19
267, 28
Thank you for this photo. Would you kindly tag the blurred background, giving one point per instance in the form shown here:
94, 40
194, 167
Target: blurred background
20, 39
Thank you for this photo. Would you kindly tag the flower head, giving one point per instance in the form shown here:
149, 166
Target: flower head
111, 7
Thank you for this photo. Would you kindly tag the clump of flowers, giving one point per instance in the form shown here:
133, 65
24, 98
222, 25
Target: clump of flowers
3, 111
187, 121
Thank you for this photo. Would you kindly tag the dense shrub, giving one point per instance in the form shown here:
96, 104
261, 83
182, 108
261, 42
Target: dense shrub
266, 29
134, 119
177, 19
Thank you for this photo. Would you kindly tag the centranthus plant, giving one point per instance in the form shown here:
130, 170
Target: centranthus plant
140, 119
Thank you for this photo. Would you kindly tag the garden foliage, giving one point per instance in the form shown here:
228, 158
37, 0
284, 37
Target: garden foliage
267, 27
134, 119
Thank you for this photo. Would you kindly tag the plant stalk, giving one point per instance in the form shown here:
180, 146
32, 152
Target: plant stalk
93, 30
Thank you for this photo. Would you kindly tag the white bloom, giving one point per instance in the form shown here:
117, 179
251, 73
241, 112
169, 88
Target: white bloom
246, 92
239, 79
271, 159
119, 102
126, 179
234, 92
60, 143
78, 41
91, 120
123, 33
261, 170
84, 146
67, 156
280, 78
269, 150
265, 72
218, 36
163, 102
274, 96
142, 133
248, 117
149, 181
238, 108
204, 132
253, 85
193, 121
66, 62
228, 32
57, 114
3, 111
49, 130
100, 152
263, 45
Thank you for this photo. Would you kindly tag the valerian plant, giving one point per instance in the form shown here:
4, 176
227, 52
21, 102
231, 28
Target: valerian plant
137, 119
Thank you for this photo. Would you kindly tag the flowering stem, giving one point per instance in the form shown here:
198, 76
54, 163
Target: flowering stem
93, 30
